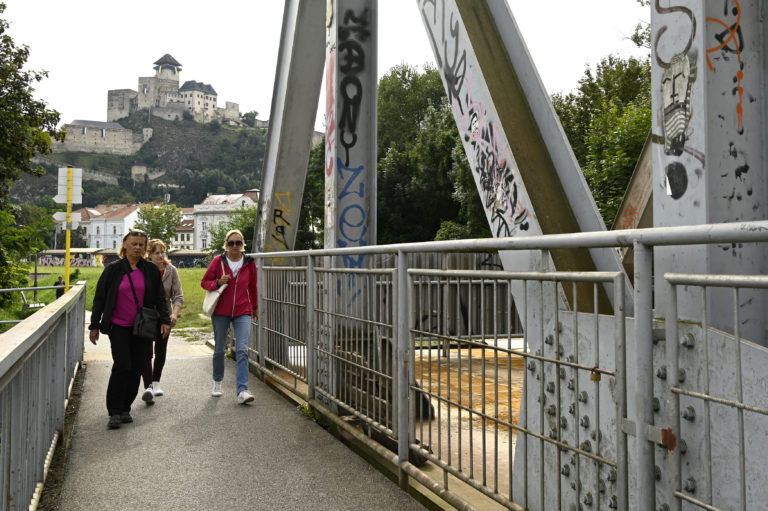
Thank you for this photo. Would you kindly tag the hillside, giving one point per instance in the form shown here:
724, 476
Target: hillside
197, 159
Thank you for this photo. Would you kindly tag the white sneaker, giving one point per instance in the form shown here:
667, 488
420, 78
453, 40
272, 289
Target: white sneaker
244, 397
156, 390
148, 396
216, 392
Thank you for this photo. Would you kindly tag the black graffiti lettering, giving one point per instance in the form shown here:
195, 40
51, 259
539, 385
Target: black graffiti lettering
359, 25
278, 214
352, 59
351, 96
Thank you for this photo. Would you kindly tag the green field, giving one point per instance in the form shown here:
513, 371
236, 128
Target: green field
191, 314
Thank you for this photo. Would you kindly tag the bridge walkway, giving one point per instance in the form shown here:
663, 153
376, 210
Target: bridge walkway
193, 451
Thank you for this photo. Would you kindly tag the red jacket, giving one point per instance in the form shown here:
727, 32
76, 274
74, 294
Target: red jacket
240, 297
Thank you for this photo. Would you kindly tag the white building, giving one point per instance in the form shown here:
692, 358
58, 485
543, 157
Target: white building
107, 230
215, 209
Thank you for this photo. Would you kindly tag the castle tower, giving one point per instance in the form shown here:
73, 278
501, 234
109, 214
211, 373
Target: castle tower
155, 91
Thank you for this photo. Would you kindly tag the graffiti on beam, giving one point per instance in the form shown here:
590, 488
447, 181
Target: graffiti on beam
450, 59
279, 224
731, 41
492, 163
497, 181
350, 193
330, 115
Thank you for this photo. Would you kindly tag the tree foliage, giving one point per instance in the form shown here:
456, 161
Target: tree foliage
243, 219
309, 234
26, 129
249, 118
607, 120
420, 160
159, 221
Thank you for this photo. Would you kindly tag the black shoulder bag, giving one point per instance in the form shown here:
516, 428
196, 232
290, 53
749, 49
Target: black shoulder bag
146, 325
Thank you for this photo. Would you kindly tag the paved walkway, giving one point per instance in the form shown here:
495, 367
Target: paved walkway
192, 451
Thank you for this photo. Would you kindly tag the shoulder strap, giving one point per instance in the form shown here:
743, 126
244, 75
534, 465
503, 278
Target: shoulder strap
133, 290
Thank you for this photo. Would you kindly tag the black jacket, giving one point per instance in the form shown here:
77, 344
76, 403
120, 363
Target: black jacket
106, 293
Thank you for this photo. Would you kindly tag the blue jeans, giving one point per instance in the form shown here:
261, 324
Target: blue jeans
242, 326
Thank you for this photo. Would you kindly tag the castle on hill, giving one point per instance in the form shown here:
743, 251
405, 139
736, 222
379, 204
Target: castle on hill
162, 96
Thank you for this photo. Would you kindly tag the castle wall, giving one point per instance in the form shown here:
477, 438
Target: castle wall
153, 92
99, 140
171, 112
120, 103
231, 112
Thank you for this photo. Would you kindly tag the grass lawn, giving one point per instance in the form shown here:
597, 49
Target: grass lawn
191, 314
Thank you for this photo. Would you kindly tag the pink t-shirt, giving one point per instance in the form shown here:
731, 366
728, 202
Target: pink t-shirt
125, 310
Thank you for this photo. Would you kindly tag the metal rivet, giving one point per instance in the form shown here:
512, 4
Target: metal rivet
689, 414
662, 373
688, 340
531, 365
584, 422
663, 507
683, 446
587, 499
601, 486
552, 410
614, 503
656, 404
559, 327
612, 476
563, 423
572, 409
690, 485
657, 473
571, 385
566, 470
560, 351
552, 434
583, 396
681, 375
562, 373
550, 339
586, 446
550, 387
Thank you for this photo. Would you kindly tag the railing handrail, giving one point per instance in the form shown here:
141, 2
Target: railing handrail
742, 232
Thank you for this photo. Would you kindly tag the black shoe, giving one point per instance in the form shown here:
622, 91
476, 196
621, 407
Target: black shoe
125, 417
114, 421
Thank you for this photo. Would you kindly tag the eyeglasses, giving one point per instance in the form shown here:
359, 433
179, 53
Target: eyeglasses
235, 243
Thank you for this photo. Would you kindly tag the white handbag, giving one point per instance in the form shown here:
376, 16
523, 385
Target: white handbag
212, 297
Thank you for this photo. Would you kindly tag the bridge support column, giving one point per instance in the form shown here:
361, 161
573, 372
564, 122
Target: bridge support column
709, 89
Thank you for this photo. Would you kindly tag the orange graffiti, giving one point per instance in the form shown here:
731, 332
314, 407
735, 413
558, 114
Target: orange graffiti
630, 219
732, 37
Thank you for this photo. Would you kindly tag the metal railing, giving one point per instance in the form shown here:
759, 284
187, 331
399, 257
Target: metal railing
429, 361
721, 394
38, 361
26, 305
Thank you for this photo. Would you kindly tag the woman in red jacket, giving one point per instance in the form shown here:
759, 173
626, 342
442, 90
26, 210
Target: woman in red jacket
237, 305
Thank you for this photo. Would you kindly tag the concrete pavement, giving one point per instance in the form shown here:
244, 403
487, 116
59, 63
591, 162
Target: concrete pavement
191, 451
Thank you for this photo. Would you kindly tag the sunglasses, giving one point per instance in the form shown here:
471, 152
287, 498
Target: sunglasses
235, 243
138, 233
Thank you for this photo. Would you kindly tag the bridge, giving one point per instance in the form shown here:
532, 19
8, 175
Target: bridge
552, 377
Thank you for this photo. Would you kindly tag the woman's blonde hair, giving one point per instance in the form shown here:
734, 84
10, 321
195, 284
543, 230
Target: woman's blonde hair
133, 232
230, 233
153, 244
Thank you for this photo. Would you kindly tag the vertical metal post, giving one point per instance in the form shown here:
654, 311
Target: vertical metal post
620, 335
260, 330
310, 301
673, 399
69, 228
645, 491
402, 365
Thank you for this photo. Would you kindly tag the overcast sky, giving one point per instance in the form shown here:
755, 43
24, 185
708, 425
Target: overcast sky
91, 46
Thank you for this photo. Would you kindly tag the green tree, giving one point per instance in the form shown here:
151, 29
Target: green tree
607, 120
26, 129
243, 219
309, 234
249, 118
159, 221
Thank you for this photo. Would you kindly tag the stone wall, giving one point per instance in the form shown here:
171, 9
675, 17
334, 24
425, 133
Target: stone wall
99, 140
120, 103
